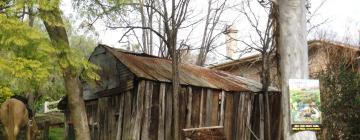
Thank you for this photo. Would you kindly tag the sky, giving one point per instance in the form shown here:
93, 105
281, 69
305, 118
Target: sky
342, 16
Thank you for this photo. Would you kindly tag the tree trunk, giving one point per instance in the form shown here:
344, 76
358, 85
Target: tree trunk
293, 57
261, 112
143, 24
265, 106
200, 61
76, 104
176, 86
31, 16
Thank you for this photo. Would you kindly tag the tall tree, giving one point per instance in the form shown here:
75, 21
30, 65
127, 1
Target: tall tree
27, 56
264, 42
293, 57
53, 22
209, 36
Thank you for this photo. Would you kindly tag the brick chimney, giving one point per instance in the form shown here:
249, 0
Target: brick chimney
231, 44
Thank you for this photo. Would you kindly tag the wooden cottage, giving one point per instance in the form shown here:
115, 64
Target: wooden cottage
133, 99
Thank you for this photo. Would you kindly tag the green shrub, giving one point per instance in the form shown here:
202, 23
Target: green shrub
340, 91
56, 134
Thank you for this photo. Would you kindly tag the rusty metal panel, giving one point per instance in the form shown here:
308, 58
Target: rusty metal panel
159, 69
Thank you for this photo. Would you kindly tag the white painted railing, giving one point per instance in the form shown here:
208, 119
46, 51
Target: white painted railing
48, 104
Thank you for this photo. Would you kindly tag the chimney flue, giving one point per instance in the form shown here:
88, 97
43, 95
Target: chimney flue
231, 44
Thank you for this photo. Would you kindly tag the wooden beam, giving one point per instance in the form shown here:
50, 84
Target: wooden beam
205, 133
120, 117
126, 134
215, 109
140, 97
189, 106
195, 111
161, 128
168, 112
155, 111
228, 119
147, 111
202, 108
208, 107
222, 108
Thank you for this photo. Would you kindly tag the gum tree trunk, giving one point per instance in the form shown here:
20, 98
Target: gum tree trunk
59, 38
293, 58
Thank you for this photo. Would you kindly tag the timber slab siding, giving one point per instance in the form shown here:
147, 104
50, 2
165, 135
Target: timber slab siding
145, 113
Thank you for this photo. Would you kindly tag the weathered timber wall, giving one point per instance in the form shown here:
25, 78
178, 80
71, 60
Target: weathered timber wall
113, 75
145, 112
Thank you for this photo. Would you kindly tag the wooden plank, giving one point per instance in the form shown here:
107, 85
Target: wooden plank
208, 108
215, 109
97, 120
147, 112
126, 134
229, 110
120, 117
195, 111
140, 97
168, 112
235, 121
154, 124
102, 107
161, 128
244, 114
240, 116
182, 109
205, 133
222, 108
188, 107
112, 109
249, 110
202, 108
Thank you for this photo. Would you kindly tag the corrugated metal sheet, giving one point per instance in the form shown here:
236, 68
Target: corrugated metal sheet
158, 69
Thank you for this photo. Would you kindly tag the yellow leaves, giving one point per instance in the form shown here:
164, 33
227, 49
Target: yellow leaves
26, 69
20, 42
5, 93
14, 33
72, 59
48, 4
49, 11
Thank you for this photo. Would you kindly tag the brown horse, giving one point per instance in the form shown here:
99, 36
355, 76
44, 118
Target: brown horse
14, 117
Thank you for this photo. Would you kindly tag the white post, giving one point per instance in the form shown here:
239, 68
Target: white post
46, 108
293, 57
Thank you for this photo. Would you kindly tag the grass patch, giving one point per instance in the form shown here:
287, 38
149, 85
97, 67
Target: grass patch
56, 133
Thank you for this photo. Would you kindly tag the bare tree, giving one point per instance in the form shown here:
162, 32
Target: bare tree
211, 22
263, 41
171, 14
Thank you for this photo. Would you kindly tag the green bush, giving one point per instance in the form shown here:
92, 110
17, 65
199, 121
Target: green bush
56, 134
340, 91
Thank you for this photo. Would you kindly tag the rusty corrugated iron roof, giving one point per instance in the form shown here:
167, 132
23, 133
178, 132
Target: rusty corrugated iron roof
159, 69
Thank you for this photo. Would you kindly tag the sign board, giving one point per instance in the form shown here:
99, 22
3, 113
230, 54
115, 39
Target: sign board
305, 104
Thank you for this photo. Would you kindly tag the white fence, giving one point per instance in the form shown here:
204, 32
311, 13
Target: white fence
47, 106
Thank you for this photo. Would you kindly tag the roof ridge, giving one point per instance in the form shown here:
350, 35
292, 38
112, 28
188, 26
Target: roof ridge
142, 54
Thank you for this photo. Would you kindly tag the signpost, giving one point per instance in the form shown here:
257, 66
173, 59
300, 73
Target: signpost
304, 104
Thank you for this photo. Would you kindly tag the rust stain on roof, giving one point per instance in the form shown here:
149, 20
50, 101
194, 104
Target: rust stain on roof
159, 69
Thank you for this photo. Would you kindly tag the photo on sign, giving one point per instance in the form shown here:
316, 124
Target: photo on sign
304, 101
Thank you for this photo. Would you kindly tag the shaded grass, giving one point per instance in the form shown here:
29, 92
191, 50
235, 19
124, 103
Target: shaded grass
56, 133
